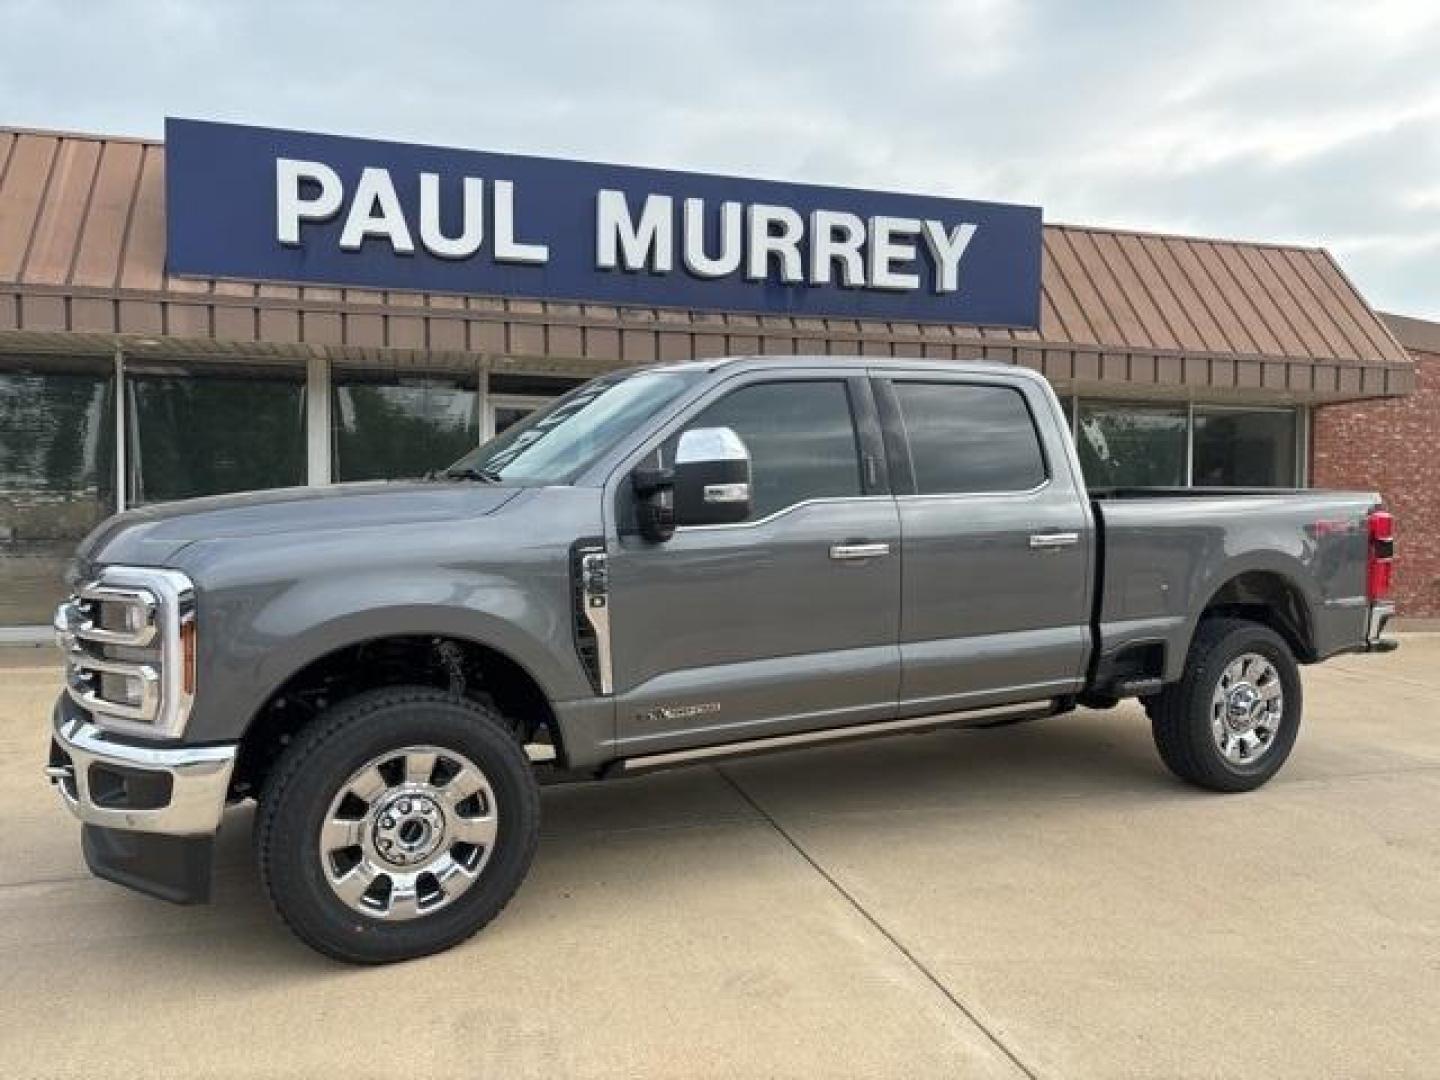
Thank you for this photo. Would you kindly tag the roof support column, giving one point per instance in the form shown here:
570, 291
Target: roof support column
120, 433
317, 420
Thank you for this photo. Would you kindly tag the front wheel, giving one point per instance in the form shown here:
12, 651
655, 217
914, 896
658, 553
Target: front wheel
396, 825
1231, 721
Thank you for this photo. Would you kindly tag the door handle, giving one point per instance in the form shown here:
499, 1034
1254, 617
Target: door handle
1054, 539
858, 551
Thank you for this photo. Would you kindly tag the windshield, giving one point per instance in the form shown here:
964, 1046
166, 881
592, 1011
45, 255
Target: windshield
559, 442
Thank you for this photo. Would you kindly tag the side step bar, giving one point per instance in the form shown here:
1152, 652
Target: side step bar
989, 717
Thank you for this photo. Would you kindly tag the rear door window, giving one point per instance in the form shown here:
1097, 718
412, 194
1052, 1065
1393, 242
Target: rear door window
968, 438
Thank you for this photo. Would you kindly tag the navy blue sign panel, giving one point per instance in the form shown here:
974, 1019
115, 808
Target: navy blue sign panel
285, 206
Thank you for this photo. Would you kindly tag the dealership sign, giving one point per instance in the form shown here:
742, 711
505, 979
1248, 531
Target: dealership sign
257, 203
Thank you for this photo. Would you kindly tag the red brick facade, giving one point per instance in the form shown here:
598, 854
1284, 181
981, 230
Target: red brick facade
1394, 446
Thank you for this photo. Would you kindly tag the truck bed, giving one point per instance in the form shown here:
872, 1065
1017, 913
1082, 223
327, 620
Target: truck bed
1164, 555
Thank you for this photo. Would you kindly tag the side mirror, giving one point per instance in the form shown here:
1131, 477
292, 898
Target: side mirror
712, 477
709, 484
654, 503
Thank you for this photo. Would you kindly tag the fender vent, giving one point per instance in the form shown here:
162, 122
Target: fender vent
590, 606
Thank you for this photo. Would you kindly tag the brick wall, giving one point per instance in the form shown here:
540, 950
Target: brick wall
1393, 446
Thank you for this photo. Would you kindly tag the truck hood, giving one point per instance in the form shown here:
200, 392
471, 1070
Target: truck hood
152, 535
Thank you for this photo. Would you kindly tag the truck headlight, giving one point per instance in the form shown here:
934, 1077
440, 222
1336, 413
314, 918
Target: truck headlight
129, 641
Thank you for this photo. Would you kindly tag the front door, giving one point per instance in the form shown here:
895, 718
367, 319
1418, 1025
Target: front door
784, 622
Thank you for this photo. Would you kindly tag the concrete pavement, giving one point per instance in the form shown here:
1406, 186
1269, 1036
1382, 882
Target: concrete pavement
1042, 900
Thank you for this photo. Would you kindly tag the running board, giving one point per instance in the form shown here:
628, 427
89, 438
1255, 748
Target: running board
991, 716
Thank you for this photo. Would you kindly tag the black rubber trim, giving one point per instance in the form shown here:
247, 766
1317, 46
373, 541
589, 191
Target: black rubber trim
174, 868
897, 448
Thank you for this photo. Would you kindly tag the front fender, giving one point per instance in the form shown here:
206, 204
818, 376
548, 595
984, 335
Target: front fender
255, 638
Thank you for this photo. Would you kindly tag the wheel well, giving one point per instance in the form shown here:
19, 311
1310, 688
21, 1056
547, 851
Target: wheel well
465, 668
1268, 598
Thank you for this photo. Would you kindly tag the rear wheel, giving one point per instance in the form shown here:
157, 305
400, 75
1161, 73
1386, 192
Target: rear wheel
1230, 723
396, 825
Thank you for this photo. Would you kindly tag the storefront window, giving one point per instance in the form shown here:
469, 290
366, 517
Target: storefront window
197, 431
57, 444
1123, 445
514, 397
387, 427
1245, 448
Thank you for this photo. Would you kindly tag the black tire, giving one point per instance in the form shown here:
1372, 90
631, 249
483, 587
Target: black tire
297, 795
1180, 717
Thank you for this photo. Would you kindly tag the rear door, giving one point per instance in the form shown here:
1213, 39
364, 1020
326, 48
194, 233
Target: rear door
996, 547
784, 622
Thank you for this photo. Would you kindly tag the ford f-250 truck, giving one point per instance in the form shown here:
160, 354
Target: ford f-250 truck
667, 565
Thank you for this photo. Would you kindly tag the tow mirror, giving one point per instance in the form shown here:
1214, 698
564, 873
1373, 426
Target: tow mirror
709, 484
712, 477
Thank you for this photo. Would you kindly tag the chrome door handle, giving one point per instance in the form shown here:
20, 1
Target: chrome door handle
1054, 540
858, 551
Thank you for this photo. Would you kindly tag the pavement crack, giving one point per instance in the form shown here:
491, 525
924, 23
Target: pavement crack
880, 928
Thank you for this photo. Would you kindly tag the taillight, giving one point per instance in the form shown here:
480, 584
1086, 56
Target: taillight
1380, 566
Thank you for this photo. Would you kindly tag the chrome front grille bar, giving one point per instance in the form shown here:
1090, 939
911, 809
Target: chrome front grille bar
139, 601
155, 606
82, 679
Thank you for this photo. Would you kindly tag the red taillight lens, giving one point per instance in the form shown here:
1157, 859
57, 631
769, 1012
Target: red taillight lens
1380, 567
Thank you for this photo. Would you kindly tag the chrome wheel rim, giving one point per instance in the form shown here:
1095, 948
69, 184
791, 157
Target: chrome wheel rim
408, 833
1247, 709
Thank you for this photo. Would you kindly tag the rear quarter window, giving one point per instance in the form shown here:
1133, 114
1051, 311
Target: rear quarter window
967, 438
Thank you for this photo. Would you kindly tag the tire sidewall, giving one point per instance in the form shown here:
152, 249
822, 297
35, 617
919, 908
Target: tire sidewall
372, 725
1262, 641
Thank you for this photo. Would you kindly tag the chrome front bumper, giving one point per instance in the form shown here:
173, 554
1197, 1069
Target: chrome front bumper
173, 791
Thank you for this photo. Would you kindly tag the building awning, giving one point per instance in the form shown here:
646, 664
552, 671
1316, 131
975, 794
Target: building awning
82, 268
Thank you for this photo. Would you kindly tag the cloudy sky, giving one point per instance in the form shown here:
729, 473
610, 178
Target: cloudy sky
1295, 120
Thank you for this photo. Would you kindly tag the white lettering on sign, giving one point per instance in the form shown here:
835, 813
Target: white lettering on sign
835, 240
728, 260
889, 245
507, 248
760, 240
375, 211
623, 243
291, 207
472, 230
774, 234
947, 249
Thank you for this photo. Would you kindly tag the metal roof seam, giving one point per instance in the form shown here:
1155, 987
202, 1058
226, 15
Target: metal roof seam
1134, 285
33, 230
1244, 300
69, 275
1111, 294
1343, 317
1054, 241
1324, 322
1141, 249
1194, 273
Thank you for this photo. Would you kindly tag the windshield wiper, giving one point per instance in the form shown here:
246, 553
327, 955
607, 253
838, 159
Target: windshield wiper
469, 472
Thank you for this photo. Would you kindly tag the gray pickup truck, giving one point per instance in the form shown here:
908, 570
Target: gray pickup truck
668, 565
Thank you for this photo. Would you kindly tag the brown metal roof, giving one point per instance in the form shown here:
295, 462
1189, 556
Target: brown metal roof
82, 253
1417, 335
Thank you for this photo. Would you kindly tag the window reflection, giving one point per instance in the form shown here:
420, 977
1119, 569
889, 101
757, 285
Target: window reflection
1124, 445
801, 439
203, 432
391, 428
967, 438
57, 443
1245, 448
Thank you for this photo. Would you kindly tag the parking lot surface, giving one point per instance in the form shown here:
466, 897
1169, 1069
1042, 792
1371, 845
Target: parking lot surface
1041, 900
